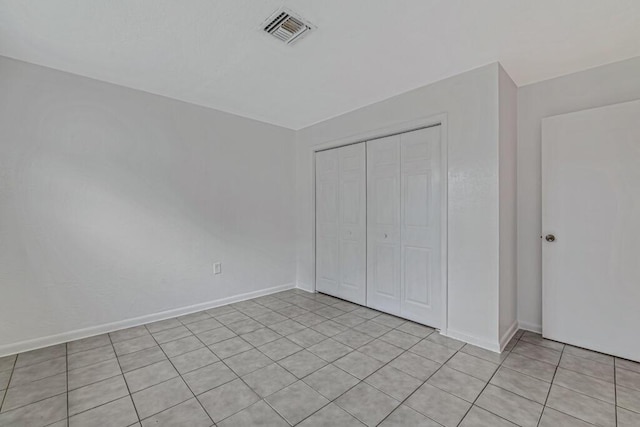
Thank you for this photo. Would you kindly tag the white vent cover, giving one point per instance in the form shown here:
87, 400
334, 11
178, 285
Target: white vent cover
287, 26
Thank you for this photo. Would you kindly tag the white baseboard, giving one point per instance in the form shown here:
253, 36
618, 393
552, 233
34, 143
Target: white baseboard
533, 327
478, 342
77, 334
506, 337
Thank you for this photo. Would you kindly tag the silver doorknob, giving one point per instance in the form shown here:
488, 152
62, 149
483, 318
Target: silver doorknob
550, 238
385, 235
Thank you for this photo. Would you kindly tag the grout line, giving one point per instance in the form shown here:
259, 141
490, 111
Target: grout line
587, 375
608, 402
123, 378
93, 382
284, 336
66, 353
113, 400
402, 402
38, 379
66, 358
6, 391
228, 367
308, 327
180, 376
384, 364
360, 381
100, 405
615, 391
238, 377
38, 400
320, 304
508, 368
21, 407
473, 404
551, 386
67, 374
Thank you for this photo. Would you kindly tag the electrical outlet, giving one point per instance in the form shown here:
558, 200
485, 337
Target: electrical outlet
217, 268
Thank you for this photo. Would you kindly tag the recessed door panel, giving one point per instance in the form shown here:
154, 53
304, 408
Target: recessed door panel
416, 198
385, 271
417, 277
350, 201
349, 268
328, 208
327, 265
386, 190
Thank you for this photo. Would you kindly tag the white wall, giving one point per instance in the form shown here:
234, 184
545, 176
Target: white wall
470, 101
609, 84
508, 131
114, 204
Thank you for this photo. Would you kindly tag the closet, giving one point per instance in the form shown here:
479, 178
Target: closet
378, 224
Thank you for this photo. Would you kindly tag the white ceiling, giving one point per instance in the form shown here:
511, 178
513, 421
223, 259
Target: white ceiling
212, 52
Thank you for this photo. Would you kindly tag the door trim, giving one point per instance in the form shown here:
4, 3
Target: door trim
382, 132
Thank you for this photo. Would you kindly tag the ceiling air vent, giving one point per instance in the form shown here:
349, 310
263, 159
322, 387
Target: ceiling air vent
287, 27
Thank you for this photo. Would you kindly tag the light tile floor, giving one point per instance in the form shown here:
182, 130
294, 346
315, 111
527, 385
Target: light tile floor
296, 358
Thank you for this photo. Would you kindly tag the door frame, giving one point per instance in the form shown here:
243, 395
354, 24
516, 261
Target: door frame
395, 129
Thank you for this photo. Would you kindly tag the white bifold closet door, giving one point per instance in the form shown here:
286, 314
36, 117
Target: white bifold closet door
341, 222
404, 205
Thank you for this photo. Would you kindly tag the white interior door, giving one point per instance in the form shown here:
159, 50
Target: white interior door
420, 221
383, 224
341, 222
591, 206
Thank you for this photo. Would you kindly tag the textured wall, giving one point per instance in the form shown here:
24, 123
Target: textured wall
115, 203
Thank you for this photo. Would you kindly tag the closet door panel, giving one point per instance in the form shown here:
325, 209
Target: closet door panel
420, 164
417, 268
383, 224
352, 223
327, 224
